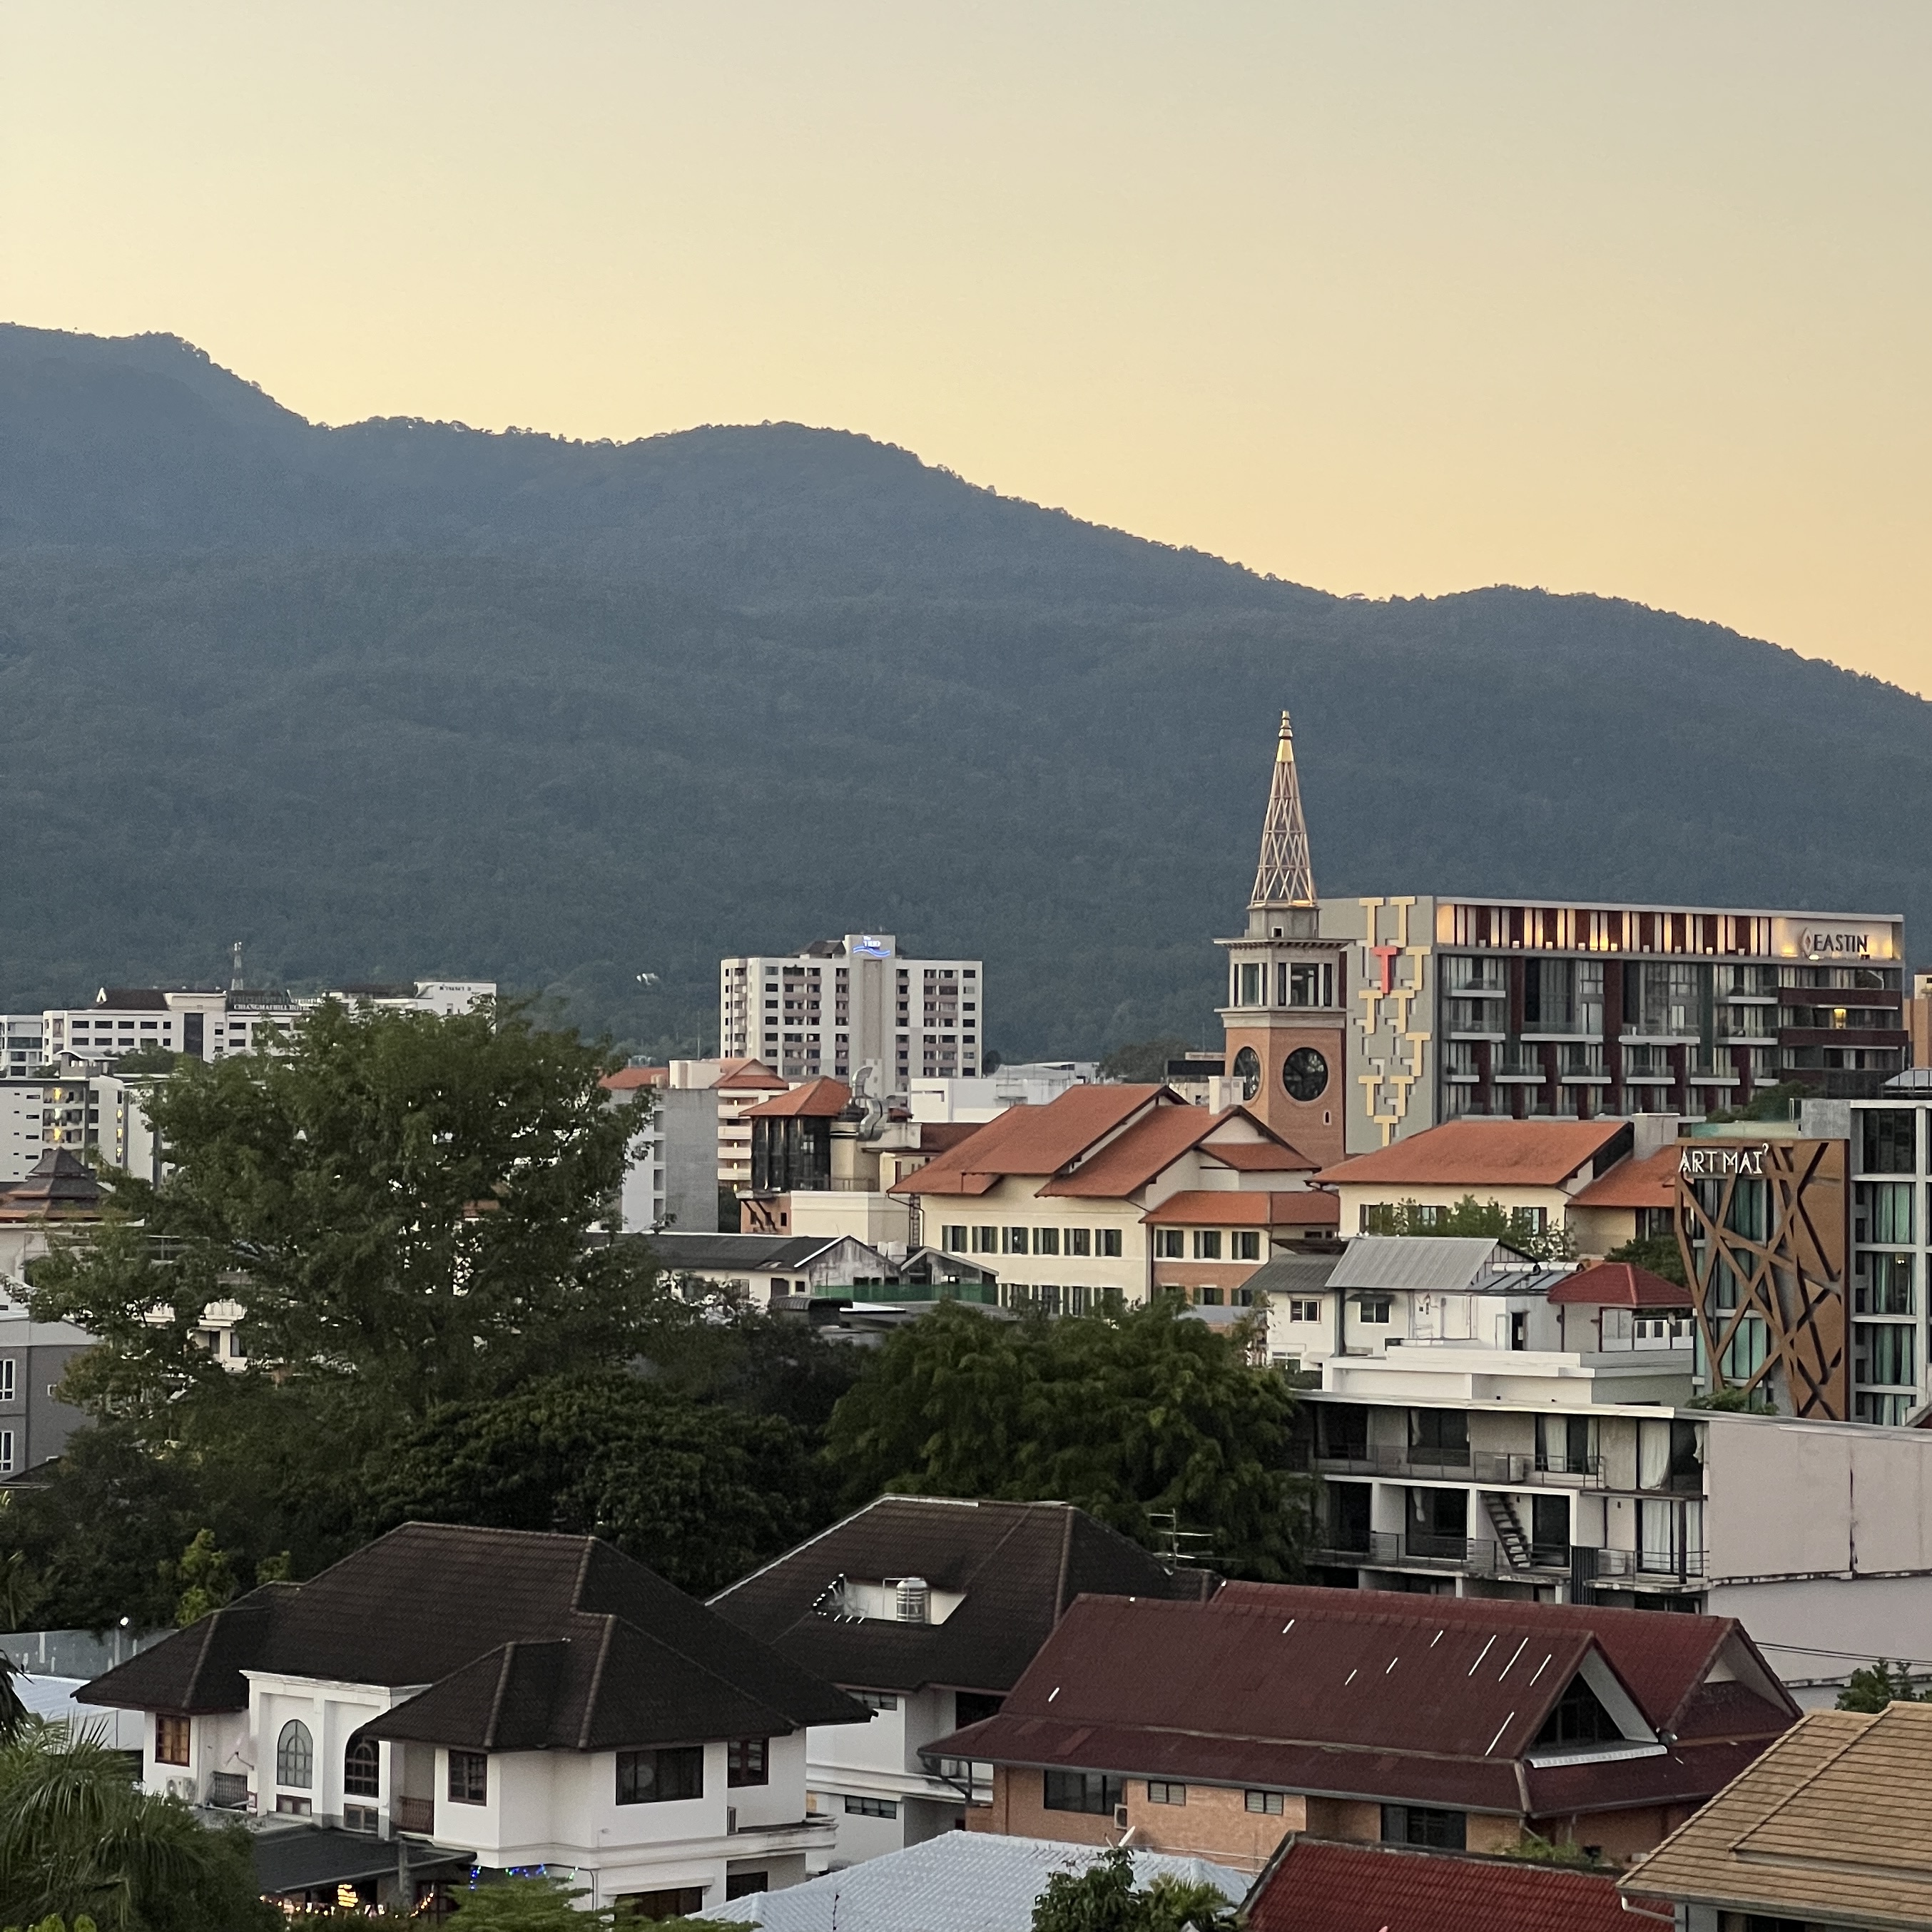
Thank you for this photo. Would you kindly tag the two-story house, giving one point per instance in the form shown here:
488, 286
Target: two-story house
1104, 1195
928, 1610
510, 1699
1212, 1729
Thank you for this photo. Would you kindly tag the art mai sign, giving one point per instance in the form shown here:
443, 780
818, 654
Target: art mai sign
1713, 1163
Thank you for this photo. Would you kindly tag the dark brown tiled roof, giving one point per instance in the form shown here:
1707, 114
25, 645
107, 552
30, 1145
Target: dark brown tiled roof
526, 1641
1347, 1694
1019, 1565
58, 1180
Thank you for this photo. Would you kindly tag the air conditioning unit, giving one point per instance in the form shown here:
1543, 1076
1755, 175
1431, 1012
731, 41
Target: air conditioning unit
1121, 1816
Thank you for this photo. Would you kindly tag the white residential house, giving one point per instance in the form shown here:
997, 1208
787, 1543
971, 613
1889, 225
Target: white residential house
494, 1698
928, 1610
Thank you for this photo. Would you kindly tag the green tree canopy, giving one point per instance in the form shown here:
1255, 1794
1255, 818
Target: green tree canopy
1881, 1684
1659, 1253
1488, 1219
1103, 1898
1124, 1415
401, 1197
528, 1905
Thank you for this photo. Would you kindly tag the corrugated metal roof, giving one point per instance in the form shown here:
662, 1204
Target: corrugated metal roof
1435, 1264
959, 1882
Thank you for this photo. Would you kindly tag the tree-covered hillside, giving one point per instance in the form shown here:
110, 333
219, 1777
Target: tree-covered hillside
408, 697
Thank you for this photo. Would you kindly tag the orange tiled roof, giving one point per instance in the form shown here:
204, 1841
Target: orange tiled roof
1619, 1285
1651, 1182
1034, 1140
629, 1079
1269, 1157
1232, 1208
817, 1099
1150, 1145
742, 1073
1480, 1153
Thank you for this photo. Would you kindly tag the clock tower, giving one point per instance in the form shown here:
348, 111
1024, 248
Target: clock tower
1286, 1019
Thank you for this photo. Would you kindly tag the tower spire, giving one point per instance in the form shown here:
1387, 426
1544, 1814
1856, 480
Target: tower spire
1285, 876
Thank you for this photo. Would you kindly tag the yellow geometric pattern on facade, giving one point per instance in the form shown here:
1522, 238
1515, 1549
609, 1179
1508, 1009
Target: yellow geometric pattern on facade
1392, 1077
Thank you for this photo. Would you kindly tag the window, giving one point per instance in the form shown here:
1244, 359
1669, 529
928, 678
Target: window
1079, 1240
1207, 1297
973, 1707
1247, 1244
684, 1903
294, 1756
1046, 1240
1304, 1311
6, 1379
1417, 1825
171, 1736
1886, 1287
1015, 1241
877, 1700
1882, 1211
468, 1778
985, 1240
953, 1239
871, 1807
1091, 1791
1110, 1242
1888, 1141
1579, 1718
293, 1807
1166, 1794
742, 1885
1267, 1802
1375, 1308
361, 1818
6, 1451
747, 1761
659, 1776
1250, 991
1170, 1244
1882, 1352
1206, 1244
362, 1769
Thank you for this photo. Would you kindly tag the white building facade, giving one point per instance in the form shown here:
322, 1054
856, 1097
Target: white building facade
843, 1005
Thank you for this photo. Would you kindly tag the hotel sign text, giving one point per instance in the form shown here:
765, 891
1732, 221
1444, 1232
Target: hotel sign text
1713, 1162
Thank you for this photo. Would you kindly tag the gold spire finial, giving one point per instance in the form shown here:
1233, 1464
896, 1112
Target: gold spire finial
1285, 876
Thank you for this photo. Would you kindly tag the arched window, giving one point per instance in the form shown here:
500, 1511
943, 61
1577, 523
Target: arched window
294, 1756
362, 1770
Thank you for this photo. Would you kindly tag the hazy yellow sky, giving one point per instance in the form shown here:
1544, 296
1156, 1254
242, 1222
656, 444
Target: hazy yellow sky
1383, 295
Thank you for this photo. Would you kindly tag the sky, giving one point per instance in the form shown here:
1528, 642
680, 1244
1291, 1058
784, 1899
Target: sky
1385, 296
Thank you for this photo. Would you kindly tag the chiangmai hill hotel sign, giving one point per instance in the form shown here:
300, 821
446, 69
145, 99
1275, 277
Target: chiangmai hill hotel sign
1826, 938
1718, 1161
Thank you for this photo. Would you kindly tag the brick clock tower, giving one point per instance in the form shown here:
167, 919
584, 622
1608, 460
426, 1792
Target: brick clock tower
1286, 1019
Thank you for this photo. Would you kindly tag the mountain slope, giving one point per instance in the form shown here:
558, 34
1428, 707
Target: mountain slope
399, 698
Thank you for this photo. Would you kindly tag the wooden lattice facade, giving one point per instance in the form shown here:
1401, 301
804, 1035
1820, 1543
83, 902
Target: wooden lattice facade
1764, 1229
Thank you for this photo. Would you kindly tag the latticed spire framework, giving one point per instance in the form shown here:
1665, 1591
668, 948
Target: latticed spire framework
1285, 876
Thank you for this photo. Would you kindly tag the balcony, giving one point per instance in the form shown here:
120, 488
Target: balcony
1477, 1466
415, 1816
1470, 1556
1660, 1567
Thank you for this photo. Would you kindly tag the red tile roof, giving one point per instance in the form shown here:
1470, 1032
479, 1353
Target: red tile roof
738, 1074
1269, 1157
1366, 1695
1651, 1182
1619, 1285
1316, 1886
1153, 1144
1034, 1140
629, 1079
1480, 1153
816, 1100
939, 1136
1230, 1207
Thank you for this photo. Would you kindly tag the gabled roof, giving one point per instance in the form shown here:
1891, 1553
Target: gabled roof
57, 1183
817, 1099
1267, 1157
1035, 1140
1347, 1694
1619, 1285
533, 1641
1314, 1884
1293, 1274
1432, 1263
735, 1076
133, 999
1019, 1566
1833, 1823
1651, 1182
958, 1882
629, 1079
1152, 1144
1664, 1660
1481, 1154
699, 1253
1242, 1207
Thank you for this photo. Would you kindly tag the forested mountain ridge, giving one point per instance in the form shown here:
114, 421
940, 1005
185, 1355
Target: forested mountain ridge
412, 697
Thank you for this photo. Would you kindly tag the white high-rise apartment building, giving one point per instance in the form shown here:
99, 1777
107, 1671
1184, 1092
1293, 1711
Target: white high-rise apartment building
843, 1005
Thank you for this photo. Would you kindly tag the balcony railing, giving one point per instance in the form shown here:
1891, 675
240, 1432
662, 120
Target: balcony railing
1477, 1466
1475, 1556
416, 1815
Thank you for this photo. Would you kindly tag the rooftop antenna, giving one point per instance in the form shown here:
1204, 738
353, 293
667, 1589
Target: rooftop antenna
235, 978
1175, 1546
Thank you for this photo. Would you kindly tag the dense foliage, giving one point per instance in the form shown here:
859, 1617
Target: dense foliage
405, 697
1488, 1220
1127, 1415
1104, 1898
1871, 1689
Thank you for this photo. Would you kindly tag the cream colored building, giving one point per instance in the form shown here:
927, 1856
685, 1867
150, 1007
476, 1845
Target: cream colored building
1055, 1198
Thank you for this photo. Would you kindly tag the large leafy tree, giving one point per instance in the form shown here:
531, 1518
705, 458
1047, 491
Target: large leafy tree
400, 1198
1127, 1415
1104, 1898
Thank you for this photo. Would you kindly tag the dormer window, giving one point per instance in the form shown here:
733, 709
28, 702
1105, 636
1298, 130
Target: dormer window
1579, 1718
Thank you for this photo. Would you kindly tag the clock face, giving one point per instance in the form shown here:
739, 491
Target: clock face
1304, 1073
1248, 1071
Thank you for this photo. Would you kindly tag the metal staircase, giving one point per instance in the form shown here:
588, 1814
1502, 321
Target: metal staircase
1508, 1526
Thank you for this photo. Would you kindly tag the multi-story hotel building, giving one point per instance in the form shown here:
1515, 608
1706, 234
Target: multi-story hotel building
844, 1005
1354, 1022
